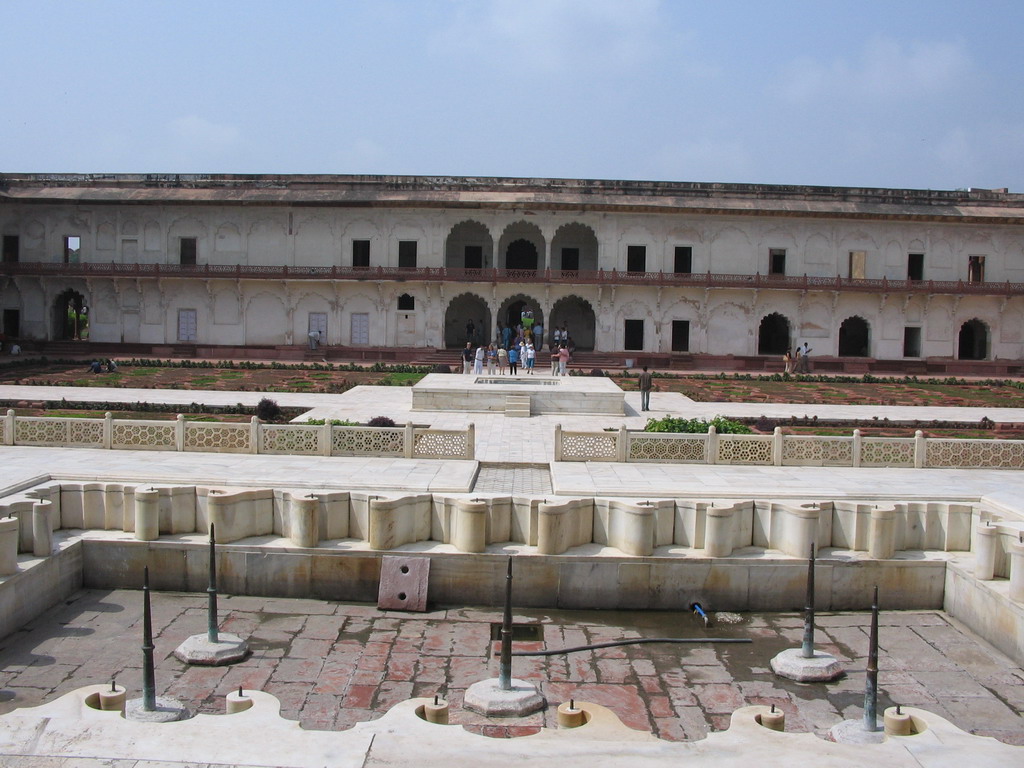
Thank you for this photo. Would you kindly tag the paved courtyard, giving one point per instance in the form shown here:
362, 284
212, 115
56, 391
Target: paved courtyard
333, 665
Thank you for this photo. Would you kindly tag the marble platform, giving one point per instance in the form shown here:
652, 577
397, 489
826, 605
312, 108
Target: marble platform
548, 394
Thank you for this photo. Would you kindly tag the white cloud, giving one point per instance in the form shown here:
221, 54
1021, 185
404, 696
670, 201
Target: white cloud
885, 69
554, 36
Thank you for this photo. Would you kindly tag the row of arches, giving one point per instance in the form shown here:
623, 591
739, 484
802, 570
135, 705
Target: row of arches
522, 245
573, 312
774, 337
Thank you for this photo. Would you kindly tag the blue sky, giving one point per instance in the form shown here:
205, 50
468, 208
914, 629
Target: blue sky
897, 94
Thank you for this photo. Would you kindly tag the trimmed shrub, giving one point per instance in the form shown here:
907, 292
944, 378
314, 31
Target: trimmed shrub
442, 368
597, 372
380, 421
696, 426
268, 410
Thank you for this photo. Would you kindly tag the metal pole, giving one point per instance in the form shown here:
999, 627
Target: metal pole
211, 592
505, 667
871, 682
148, 674
807, 649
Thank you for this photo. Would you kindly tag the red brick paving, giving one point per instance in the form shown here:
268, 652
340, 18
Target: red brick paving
333, 665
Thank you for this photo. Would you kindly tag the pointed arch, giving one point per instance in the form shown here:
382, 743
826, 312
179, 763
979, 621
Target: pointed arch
462, 310
855, 337
577, 315
773, 335
469, 245
973, 341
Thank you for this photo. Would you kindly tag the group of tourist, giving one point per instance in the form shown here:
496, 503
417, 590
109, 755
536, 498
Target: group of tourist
798, 360
516, 348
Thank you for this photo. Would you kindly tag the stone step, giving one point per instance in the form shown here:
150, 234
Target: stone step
517, 406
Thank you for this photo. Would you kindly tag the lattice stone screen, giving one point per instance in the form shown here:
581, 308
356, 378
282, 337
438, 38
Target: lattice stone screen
1004, 454
817, 451
887, 452
683, 449
437, 443
286, 438
40, 431
216, 438
588, 446
367, 441
143, 435
744, 449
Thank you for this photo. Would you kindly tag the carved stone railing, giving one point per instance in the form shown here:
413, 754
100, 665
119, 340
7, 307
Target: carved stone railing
788, 450
409, 441
495, 275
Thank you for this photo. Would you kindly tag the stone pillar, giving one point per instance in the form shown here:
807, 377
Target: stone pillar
304, 527
42, 529
718, 531
882, 534
147, 515
1017, 571
985, 552
800, 530
9, 545
470, 526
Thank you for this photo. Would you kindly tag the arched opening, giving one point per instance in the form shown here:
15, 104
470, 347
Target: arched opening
469, 246
71, 316
973, 341
511, 312
521, 254
854, 337
773, 335
577, 316
574, 248
466, 319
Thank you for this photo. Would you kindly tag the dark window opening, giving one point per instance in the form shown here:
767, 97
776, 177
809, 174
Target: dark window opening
973, 341
634, 334
911, 342
12, 323
10, 250
854, 338
570, 259
777, 261
975, 269
636, 258
72, 249
187, 251
684, 260
407, 254
773, 335
406, 302
680, 335
474, 257
521, 254
360, 253
915, 266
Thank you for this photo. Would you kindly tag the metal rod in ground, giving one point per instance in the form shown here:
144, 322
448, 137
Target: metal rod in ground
505, 665
148, 673
871, 682
807, 649
211, 591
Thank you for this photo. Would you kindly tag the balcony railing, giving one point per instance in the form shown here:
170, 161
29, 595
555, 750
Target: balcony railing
490, 275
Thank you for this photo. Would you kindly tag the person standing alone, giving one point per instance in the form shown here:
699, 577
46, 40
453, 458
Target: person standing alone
646, 384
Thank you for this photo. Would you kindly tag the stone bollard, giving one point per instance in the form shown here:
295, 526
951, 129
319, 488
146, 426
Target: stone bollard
9, 545
470, 534
985, 553
304, 530
238, 701
718, 531
42, 529
147, 515
1017, 571
882, 534
800, 530
113, 699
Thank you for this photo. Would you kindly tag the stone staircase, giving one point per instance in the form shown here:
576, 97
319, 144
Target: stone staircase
517, 406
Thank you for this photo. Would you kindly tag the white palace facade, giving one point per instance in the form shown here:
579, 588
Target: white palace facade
207, 264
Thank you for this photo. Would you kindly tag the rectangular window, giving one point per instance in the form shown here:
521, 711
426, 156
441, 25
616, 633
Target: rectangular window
684, 260
680, 335
777, 261
407, 254
858, 264
10, 250
360, 328
72, 249
474, 257
318, 322
636, 258
12, 323
915, 266
911, 342
187, 251
187, 325
975, 269
360, 253
634, 333
570, 259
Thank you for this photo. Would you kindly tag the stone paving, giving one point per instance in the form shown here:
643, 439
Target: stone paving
333, 665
